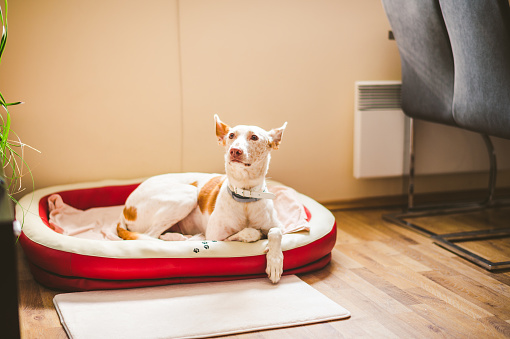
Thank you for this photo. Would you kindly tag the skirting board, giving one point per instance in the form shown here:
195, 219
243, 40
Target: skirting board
400, 201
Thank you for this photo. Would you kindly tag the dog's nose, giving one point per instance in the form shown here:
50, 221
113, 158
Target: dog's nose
236, 152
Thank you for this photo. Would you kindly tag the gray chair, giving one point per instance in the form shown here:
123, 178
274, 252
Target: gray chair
480, 38
455, 57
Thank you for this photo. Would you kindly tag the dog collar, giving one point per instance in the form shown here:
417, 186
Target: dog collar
241, 195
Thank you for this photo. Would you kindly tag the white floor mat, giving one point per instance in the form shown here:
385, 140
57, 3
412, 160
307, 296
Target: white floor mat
194, 310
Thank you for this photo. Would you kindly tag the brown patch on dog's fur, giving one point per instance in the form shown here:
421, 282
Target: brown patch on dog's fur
209, 193
125, 234
129, 213
195, 183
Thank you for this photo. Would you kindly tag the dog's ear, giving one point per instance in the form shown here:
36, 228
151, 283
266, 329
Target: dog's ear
221, 130
276, 136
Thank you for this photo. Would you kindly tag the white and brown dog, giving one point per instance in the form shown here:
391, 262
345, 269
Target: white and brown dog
232, 207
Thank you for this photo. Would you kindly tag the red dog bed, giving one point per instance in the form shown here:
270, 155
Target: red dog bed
74, 264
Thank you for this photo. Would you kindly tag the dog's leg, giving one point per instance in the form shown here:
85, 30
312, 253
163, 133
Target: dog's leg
248, 234
274, 254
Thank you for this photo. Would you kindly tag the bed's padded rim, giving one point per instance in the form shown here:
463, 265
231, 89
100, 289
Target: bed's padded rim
37, 230
64, 283
77, 265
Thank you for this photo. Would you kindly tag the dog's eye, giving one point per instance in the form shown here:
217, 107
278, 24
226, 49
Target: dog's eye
231, 136
254, 137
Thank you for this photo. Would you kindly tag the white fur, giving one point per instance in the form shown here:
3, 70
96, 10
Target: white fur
169, 202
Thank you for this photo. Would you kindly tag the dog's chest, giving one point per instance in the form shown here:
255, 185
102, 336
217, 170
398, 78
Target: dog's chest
238, 215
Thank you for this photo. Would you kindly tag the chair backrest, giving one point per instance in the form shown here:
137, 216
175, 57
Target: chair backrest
480, 37
426, 59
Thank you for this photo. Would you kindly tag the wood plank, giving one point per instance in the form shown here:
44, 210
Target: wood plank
470, 290
465, 268
501, 326
447, 319
423, 327
406, 278
371, 292
495, 250
396, 293
445, 316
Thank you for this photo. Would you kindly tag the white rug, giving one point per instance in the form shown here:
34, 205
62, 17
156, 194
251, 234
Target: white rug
194, 310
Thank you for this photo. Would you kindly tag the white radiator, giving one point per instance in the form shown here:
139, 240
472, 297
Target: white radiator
379, 130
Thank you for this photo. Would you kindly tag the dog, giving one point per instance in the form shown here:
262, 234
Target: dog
232, 207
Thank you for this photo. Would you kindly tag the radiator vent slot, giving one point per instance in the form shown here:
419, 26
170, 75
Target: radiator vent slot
378, 96
379, 130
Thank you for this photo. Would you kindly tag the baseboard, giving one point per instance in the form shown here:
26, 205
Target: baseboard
400, 201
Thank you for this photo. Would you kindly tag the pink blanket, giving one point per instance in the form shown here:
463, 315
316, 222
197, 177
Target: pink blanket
100, 223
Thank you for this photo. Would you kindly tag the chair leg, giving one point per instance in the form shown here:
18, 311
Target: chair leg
449, 241
410, 183
493, 171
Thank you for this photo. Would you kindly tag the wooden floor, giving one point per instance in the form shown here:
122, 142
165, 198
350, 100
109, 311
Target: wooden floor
394, 282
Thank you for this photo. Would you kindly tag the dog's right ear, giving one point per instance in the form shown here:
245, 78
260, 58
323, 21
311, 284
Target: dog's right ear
221, 130
276, 136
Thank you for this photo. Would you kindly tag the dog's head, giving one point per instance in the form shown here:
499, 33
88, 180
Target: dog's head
247, 145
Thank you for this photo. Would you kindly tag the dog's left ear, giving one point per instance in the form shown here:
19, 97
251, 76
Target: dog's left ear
221, 130
276, 136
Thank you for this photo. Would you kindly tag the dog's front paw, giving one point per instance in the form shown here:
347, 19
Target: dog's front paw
274, 267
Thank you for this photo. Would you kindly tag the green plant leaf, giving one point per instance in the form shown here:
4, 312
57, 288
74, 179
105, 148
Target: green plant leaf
3, 40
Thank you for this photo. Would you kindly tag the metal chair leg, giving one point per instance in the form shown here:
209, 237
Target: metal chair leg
493, 171
449, 241
410, 184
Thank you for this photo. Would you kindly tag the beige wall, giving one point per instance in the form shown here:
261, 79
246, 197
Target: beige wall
126, 89
101, 82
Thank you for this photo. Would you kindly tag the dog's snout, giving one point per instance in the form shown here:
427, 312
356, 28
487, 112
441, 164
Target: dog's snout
236, 152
